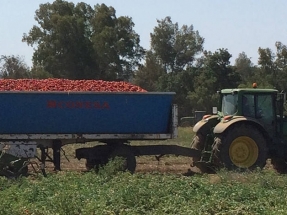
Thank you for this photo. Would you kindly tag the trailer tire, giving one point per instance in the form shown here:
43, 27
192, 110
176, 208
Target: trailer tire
241, 147
127, 154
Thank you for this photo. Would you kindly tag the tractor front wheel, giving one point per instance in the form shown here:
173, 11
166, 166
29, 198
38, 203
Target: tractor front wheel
241, 147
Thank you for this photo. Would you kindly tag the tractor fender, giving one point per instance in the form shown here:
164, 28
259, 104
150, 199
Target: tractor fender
206, 124
223, 125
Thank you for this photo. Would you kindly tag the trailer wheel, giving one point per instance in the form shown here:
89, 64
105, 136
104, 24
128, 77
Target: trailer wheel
241, 147
128, 156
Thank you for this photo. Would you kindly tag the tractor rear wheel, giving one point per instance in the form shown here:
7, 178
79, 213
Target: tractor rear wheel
279, 164
198, 144
198, 141
241, 147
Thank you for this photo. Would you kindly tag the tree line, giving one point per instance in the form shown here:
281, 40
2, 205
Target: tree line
79, 41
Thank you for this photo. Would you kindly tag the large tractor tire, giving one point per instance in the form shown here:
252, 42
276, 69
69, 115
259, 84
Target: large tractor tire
198, 141
241, 147
279, 164
198, 144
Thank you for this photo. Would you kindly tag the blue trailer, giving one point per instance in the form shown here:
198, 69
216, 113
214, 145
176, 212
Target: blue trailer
31, 120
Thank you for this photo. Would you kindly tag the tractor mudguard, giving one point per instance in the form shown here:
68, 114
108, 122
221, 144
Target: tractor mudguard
206, 124
223, 125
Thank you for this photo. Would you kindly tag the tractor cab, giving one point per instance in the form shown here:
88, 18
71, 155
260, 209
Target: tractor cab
257, 105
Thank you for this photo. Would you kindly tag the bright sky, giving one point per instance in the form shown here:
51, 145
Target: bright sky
237, 25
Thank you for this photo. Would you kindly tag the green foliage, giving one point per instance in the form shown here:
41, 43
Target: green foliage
214, 74
181, 83
217, 64
176, 48
169, 63
89, 193
110, 191
62, 40
39, 73
273, 66
113, 167
78, 42
245, 68
149, 74
13, 67
116, 44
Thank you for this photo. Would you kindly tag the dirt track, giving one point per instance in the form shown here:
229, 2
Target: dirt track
145, 164
176, 165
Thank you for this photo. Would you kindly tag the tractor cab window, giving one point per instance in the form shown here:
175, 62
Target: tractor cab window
248, 105
264, 108
229, 104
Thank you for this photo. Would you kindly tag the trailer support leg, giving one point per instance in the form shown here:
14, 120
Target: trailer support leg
56, 154
43, 160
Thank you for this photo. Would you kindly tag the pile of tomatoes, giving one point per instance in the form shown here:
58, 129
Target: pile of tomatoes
53, 84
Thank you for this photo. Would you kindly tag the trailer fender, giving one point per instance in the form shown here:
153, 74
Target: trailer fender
206, 124
223, 125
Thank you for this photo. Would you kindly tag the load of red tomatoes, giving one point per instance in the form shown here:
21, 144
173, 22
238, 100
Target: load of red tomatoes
53, 84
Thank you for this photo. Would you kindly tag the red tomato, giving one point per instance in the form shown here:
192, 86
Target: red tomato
53, 84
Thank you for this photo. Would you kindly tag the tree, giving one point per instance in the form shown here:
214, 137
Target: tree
149, 74
181, 83
13, 67
273, 66
176, 48
62, 40
245, 68
215, 73
204, 96
218, 65
78, 42
267, 66
281, 65
38, 72
174, 51
116, 44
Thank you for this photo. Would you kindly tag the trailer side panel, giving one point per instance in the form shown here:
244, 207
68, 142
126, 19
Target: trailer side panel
85, 113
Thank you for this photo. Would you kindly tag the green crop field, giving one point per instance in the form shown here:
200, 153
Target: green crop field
145, 192
110, 192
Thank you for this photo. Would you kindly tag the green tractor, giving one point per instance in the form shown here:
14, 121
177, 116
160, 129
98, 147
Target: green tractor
249, 128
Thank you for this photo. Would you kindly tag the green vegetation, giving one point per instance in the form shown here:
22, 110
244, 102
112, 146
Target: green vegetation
110, 192
152, 192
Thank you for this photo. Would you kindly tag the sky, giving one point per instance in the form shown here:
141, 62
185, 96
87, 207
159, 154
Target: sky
236, 25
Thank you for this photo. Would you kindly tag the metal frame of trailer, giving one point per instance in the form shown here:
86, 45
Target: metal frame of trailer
115, 144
